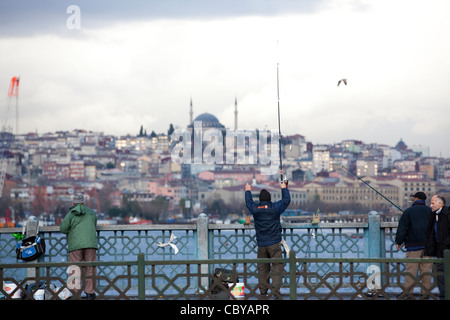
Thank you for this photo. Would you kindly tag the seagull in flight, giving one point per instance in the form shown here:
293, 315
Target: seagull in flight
342, 80
173, 246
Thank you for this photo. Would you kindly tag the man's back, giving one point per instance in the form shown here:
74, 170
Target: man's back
80, 226
412, 227
266, 215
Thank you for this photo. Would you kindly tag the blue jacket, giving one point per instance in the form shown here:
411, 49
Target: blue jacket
412, 226
266, 216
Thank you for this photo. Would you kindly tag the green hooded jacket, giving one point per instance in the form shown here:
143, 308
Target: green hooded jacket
80, 225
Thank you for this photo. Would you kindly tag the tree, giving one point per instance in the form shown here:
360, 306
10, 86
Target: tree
216, 206
141, 131
171, 130
104, 197
116, 212
156, 209
131, 208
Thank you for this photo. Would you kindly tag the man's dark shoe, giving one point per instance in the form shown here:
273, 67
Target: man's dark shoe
90, 296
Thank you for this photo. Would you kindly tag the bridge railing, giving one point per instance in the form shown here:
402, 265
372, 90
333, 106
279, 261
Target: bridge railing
148, 280
215, 242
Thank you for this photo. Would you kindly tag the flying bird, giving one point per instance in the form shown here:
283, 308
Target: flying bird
342, 80
173, 246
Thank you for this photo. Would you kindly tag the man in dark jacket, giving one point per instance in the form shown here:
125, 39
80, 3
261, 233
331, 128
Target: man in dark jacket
80, 225
411, 231
266, 215
438, 236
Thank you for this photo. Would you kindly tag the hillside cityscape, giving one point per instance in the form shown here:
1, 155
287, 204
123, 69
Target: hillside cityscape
132, 179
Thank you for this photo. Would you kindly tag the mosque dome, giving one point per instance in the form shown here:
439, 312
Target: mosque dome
208, 121
401, 145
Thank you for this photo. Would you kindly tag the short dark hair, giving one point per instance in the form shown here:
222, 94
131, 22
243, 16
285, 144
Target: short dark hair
420, 195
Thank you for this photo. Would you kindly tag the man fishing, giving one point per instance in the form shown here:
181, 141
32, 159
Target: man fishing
266, 215
412, 232
80, 225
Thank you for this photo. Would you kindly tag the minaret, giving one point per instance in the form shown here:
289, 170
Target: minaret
235, 114
191, 113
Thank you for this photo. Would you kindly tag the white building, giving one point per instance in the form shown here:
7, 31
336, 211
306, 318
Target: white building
366, 168
321, 159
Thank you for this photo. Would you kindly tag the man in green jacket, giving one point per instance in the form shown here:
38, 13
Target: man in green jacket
80, 225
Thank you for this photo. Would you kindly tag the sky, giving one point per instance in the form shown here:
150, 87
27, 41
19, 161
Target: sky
133, 63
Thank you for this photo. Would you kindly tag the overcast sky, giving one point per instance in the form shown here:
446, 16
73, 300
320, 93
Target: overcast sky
136, 63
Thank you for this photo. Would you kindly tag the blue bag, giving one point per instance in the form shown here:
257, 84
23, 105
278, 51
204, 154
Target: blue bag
30, 248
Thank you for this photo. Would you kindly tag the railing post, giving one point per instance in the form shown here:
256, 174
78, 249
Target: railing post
141, 276
372, 243
374, 235
447, 273
31, 229
292, 278
202, 246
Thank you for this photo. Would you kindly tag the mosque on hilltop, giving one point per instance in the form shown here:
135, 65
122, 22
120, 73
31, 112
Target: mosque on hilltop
210, 121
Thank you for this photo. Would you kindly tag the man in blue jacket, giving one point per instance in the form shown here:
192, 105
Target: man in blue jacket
266, 215
412, 231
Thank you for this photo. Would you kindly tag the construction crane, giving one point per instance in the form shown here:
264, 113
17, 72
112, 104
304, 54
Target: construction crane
6, 133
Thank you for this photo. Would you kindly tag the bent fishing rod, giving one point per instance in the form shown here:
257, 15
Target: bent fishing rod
367, 184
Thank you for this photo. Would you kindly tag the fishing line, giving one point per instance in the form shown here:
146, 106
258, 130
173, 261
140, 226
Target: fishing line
367, 184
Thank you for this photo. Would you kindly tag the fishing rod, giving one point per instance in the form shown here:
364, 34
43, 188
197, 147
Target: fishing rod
367, 184
282, 178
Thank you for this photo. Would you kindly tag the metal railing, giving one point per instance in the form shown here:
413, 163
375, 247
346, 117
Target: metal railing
331, 262
148, 280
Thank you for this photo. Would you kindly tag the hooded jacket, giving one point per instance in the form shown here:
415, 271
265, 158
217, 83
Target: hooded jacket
266, 215
80, 225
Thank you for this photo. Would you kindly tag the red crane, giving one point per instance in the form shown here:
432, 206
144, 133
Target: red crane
13, 92
14, 87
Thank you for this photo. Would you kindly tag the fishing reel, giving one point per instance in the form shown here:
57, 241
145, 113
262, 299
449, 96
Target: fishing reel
284, 179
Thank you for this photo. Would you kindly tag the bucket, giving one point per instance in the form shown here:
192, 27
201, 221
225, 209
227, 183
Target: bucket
39, 294
238, 291
10, 287
64, 294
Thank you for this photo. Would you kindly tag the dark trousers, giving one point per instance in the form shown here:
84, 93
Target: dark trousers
265, 271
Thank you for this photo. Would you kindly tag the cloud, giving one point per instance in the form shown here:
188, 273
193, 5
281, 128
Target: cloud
132, 69
28, 17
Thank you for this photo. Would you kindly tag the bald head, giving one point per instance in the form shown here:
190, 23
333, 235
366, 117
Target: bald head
437, 202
